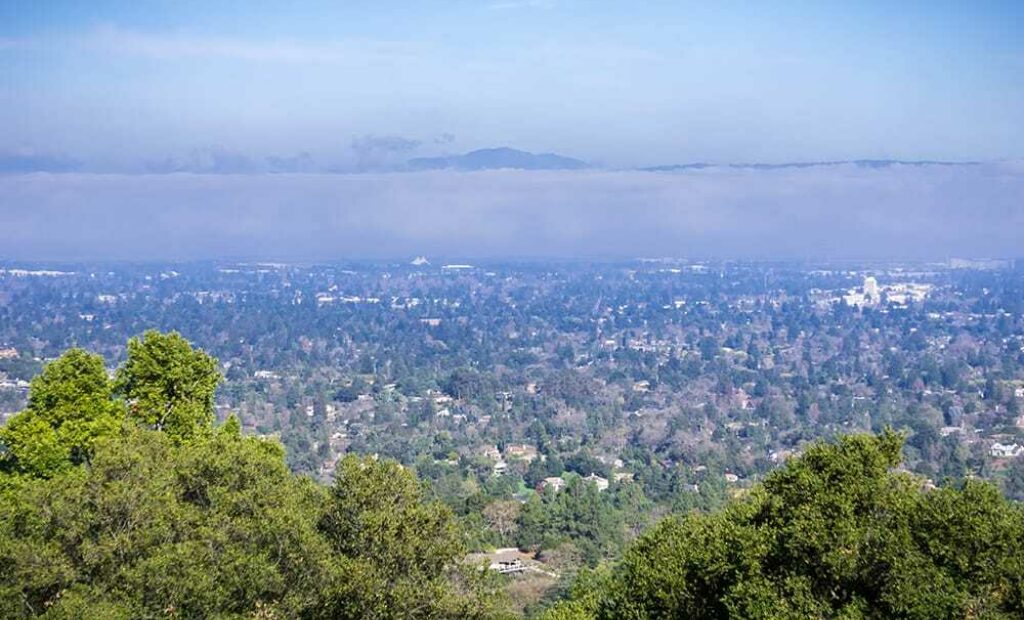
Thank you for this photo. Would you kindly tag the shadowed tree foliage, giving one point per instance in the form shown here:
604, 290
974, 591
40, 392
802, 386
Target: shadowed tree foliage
149, 528
838, 533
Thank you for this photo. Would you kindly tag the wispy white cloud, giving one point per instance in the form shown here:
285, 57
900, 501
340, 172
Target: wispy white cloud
17, 43
523, 4
109, 39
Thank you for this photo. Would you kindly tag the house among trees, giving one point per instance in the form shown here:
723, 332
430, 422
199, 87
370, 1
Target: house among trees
522, 452
1004, 451
601, 482
554, 482
507, 565
505, 561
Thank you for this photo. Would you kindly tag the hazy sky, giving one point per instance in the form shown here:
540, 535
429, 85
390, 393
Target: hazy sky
131, 85
101, 100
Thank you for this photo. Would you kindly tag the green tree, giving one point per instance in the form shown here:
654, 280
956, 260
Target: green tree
168, 385
210, 528
407, 549
173, 517
31, 446
69, 409
218, 527
836, 533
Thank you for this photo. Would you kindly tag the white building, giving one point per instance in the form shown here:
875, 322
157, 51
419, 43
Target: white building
1004, 451
871, 293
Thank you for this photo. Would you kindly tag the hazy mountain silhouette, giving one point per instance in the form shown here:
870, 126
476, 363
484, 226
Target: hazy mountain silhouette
496, 159
860, 163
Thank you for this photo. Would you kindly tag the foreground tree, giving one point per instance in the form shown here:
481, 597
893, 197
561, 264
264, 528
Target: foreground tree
168, 385
154, 512
836, 534
69, 409
409, 550
149, 528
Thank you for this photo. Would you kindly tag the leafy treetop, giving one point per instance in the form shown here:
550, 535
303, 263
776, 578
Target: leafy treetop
168, 385
838, 533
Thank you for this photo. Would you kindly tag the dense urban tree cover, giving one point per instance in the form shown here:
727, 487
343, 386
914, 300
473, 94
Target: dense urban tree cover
561, 408
108, 513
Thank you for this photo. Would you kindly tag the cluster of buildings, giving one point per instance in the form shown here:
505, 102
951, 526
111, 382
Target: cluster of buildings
872, 294
557, 483
527, 454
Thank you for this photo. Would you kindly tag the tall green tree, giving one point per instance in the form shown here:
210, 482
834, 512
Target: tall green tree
211, 528
168, 385
172, 517
409, 549
69, 409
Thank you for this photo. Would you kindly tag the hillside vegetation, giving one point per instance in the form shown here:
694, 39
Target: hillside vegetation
120, 497
837, 533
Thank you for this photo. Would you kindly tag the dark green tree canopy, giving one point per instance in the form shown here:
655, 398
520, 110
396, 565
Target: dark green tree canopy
838, 533
219, 527
173, 517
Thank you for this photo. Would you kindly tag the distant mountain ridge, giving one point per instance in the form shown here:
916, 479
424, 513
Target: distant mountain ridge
509, 158
496, 159
220, 160
860, 163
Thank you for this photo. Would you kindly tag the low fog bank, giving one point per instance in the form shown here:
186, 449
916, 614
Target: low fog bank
823, 212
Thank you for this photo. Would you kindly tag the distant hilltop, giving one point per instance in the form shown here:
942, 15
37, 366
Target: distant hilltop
221, 160
860, 163
497, 159
508, 158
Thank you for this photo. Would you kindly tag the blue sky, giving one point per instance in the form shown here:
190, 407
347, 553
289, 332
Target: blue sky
121, 85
